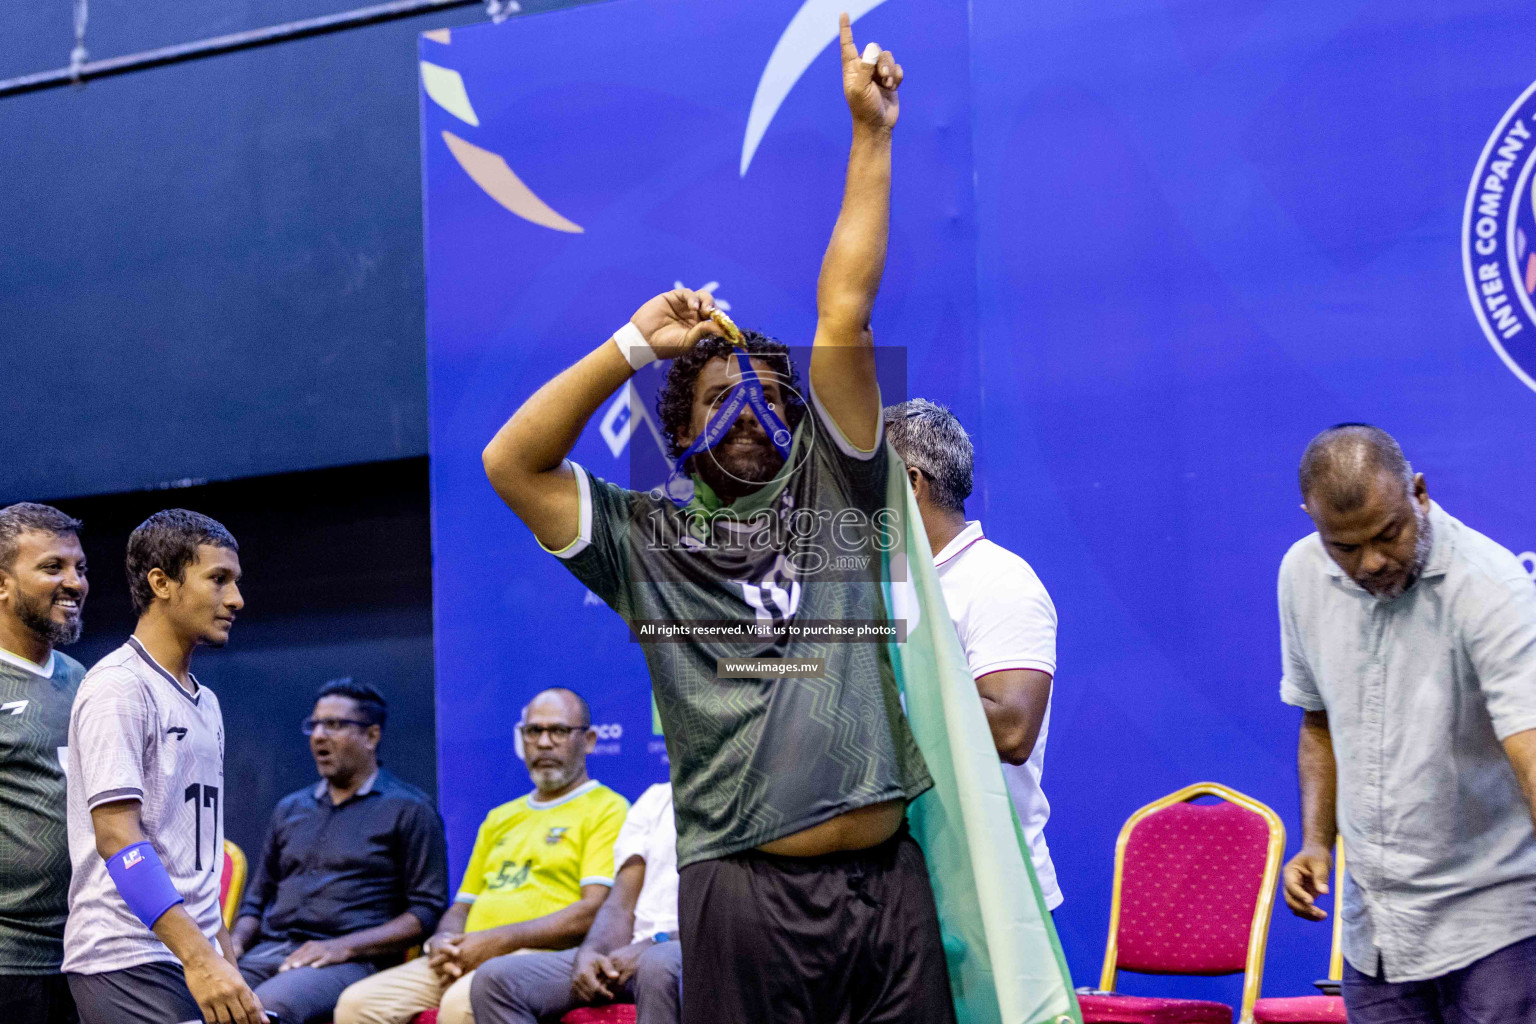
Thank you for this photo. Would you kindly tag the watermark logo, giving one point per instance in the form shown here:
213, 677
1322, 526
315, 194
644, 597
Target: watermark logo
1498, 239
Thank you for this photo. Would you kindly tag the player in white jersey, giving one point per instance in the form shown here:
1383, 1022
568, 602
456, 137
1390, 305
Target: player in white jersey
145, 942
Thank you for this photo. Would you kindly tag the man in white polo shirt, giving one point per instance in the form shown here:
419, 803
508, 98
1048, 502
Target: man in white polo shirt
630, 954
1005, 618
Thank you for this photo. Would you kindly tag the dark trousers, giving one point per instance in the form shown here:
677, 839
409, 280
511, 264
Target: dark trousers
1498, 989
147, 994
304, 995
36, 999
529, 988
849, 938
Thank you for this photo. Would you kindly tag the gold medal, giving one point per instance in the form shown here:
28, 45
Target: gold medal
732, 332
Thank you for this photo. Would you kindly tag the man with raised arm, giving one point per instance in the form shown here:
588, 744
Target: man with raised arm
802, 897
145, 942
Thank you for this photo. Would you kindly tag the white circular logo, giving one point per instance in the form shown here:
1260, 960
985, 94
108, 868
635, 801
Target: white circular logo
1498, 239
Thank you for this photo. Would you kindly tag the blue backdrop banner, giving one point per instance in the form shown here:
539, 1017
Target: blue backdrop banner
1144, 250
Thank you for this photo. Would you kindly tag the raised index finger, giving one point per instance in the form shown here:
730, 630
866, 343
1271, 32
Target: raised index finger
845, 32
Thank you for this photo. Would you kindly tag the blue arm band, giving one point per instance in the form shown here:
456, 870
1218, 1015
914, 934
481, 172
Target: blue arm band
143, 883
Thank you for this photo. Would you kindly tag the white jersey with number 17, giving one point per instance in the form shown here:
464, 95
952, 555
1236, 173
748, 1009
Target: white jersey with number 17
135, 734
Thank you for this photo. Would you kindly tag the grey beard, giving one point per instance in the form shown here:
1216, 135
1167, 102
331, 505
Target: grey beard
39, 619
548, 780
1422, 546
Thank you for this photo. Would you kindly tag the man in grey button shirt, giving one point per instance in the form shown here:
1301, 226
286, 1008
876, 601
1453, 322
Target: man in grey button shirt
1409, 641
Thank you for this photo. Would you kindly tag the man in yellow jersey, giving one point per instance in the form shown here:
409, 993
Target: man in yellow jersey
541, 867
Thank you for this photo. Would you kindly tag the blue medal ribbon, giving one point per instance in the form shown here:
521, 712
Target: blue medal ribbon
748, 392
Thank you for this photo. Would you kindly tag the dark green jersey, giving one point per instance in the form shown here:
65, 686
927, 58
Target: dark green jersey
34, 845
756, 759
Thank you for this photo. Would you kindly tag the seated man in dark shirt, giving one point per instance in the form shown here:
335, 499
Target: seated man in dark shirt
354, 870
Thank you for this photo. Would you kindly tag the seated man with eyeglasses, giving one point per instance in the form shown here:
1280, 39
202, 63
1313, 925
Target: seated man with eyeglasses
540, 869
354, 869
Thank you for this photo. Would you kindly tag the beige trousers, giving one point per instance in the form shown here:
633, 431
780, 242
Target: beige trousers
400, 993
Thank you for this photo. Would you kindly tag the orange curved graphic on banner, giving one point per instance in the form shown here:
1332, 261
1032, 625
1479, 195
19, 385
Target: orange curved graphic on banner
490, 171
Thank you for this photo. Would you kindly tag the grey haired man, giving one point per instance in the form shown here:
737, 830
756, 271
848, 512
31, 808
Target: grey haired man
1005, 618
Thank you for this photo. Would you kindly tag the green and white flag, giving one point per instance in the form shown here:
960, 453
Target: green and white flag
1005, 963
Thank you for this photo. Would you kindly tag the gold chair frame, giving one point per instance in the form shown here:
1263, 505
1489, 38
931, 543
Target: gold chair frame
1258, 932
237, 871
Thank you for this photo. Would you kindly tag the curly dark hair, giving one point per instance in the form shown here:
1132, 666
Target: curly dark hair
674, 399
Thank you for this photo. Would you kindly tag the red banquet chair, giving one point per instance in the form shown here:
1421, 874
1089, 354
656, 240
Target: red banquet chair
1194, 885
1319, 1009
614, 1013
231, 882
617, 1013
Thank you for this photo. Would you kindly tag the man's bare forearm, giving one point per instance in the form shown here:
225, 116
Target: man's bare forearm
226, 944
246, 927
452, 922
614, 925
1521, 749
855, 257
1015, 701
560, 930
1318, 774
183, 937
523, 461
391, 936
843, 369
546, 427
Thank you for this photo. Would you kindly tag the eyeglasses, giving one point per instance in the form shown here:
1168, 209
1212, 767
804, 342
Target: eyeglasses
558, 733
310, 726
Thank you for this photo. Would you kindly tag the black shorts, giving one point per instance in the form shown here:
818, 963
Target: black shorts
36, 999
147, 994
847, 938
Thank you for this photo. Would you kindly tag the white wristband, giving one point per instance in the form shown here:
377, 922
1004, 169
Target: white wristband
637, 352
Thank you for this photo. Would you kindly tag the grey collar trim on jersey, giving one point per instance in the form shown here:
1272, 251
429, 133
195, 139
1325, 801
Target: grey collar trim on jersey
322, 786
134, 643
44, 670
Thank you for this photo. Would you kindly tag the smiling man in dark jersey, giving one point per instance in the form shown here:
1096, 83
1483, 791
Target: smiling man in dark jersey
42, 596
802, 897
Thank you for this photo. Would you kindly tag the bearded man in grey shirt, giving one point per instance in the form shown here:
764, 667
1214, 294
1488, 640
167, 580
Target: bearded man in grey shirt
1409, 641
